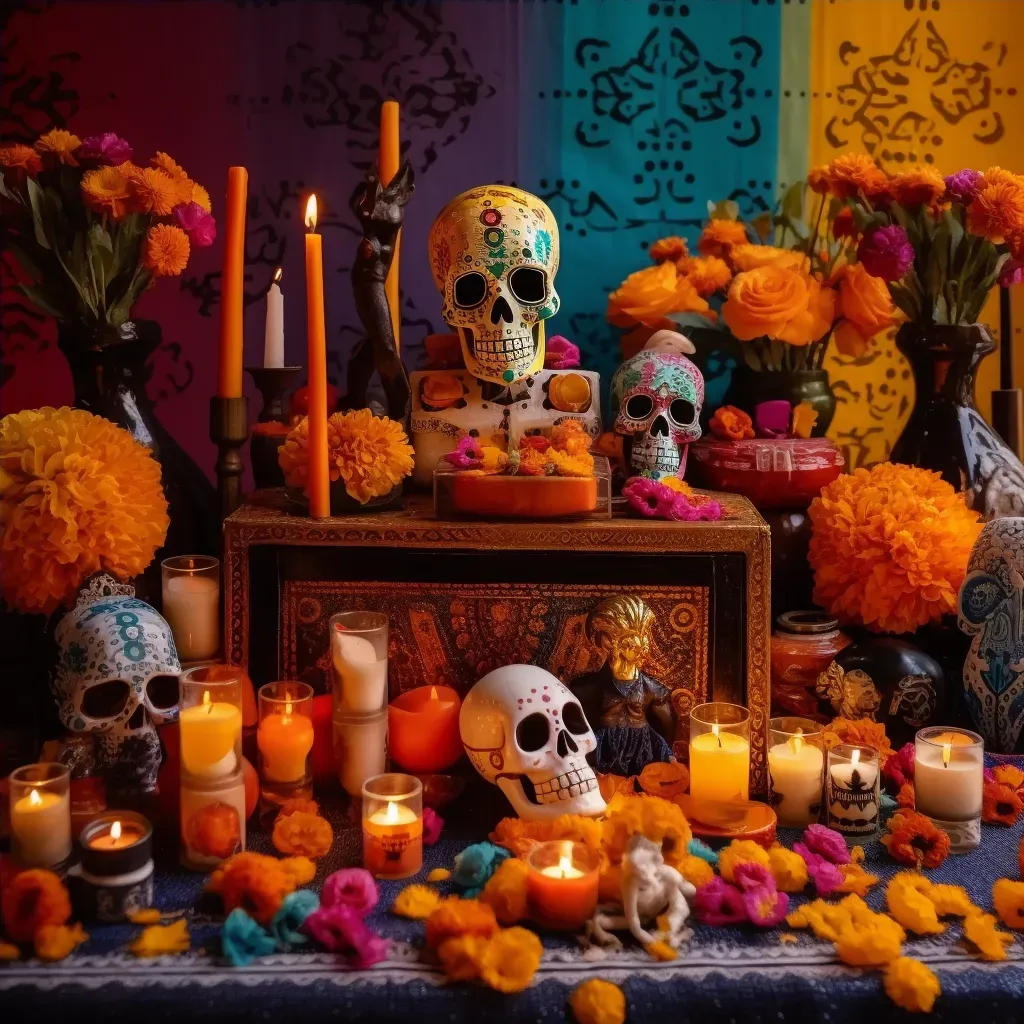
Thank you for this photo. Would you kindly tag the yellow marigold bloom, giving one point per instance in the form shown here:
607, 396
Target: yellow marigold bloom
154, 192
1008, 900
20, 158
564, 464
56, 941
454, 916
77, 495
416, 901
372, 453
510, 959
871, 943
521, 836
748, 256
911, 985
788, 869
658, 819
439, 875
159, 940
1009, 775
672, 248
909, 902
826, 920
505, 891
741, 851
719, 236
492, 460
660, 950
302, 834
707, 274
598, 1002
856, 880
298, 870
60, 144
105, 190
165, 251
858, 731
461, 956
673, 483
981, 931
168, 165
951, 900
696, 870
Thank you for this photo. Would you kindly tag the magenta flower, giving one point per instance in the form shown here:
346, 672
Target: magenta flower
718, 902
765, 905
964, 186
771, 419
432, 825
467, 454
828, 843
107, 148
753, 876
197, 223
353, 888
899, 767
886, 252
561, 354
650, 498
341, 929
826, 876
686, 511
1012, 273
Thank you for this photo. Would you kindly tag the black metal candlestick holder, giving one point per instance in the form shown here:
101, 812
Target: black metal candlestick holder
229, 430
272, 424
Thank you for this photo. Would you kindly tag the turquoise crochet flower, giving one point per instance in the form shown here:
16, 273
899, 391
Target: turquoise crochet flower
698, 849
295, 908
242, 939
475, 865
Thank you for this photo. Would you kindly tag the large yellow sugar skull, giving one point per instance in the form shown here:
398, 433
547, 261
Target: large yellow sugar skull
494, 255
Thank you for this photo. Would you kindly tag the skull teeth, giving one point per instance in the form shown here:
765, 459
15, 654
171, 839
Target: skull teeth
504, 351
566, 786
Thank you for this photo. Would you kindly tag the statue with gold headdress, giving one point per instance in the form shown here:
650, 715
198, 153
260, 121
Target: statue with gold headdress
631, 711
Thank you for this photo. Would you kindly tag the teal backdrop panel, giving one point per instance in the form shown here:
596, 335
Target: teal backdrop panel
634, 115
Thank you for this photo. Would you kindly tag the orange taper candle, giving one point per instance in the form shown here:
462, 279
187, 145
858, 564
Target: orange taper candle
387, 167
318, 480
232, 287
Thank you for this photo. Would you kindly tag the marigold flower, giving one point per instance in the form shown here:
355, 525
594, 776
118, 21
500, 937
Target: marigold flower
982, 932
106, 190
731, 424
918, 186
165, 251
1009, 775
906, 797
826, 920
161, 940
454, 916
56, 941
439, 875
870, 943
951, 900
597, 1001
660, 820
167, 164
660, 950
856, 880
720, 235
671, 248
256, 883
741, 851
505, 891
60, 144
707, 274
998, 210
1000, 804
510, 959
416, 901
648, 296
852, 173
1008, 901
521, 836
664, 778
673, 483
201, 196
20, 158
32, 900
302, 834
788, 869
908, 898
695, 870
911, 985
154, 192
461, 956
298, 870
914, 839
860, 732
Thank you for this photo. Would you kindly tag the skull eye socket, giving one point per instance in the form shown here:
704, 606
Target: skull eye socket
106, 700
533, 732
528, 285
470, 290
639, 407
682, 412
162, 692
573, 719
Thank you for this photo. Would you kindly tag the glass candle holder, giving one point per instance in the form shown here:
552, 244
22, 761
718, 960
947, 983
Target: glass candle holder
949, 775
796, 766
359, 656
40, 808
115, 875
191, 604
852, 799
561, 884
719, 760
360, 749
423, 729
285, 742
393, 825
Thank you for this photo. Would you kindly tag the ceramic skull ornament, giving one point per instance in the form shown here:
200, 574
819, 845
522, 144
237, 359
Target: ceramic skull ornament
520, 723
656, 398
117, 676
494, 255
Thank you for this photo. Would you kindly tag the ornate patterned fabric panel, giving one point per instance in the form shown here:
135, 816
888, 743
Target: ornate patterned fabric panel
454, 633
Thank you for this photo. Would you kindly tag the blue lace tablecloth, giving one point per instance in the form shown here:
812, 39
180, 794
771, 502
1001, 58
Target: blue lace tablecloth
730, 974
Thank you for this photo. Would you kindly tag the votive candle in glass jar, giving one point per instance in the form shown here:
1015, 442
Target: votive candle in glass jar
393, 825
284, 740
561, 884
949, 776
191, 604
115, 876
40, 809
359, 657
719, 760
796, 766
852, 796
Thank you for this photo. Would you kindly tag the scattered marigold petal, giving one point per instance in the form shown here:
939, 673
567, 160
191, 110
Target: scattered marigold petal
148, 915
416, 902
787, 938
439, 875
908, 898
660, 950
1008, 900
597, 1001
56, 941
911, 985
510, 959
460, 956
9, 951
981, 931
505, 891
454, 916
856, 879
158, 940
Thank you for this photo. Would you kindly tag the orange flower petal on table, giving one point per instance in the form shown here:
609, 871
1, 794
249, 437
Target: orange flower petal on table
982, 932
661, 950
146, 915
165, 250
461, 956
34, 899
1000, 804
856, 880
510, 959
908, 896
416, 902
57, 941
162, 940
9, 951
1008, 901
950, 900
597, 1001
911, 985
720, 235
454, 916
60, 144
302, 834
788, 869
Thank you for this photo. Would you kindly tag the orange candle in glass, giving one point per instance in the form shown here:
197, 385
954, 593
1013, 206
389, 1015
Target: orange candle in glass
232, 287
561, 885
392, 825
319, 476
423, 729
388, 161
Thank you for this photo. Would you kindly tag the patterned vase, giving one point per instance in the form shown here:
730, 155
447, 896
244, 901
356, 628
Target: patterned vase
945, 432
992, 613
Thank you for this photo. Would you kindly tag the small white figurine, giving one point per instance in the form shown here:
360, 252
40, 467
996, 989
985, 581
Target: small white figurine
650, 888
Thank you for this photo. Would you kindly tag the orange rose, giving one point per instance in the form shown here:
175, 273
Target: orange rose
776, 303
731, 424
708, 274
865, 307
719, 236
649, 295
921, 185
747, 257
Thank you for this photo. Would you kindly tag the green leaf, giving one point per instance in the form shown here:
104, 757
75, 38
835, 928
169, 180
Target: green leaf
799, 228
26, 259
726, 209
10, 194
36, 201
99, 236
793, 201
47, 302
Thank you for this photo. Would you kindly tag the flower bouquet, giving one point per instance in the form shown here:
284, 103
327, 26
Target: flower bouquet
543, 477
91, 229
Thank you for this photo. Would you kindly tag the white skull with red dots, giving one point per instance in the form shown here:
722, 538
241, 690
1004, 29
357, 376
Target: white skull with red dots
524, 731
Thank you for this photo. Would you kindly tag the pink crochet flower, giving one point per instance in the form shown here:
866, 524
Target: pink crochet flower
341, 929
718, 902
898, 769
350, 887
467, 454
828, 843
687, 511
197, 223
765, 905
826, 876
650, 498
107, 148
432, 825
749, 875
560, 354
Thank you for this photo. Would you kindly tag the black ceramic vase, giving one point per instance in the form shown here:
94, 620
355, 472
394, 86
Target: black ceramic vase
945, 432
751, 387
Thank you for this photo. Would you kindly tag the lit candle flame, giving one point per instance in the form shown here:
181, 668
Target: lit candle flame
796, 741
278, 274
287, 707
34, 798
115, 830
206, 701
311, 212
947, 753
391, 815
433, 693
855, 758
564, 866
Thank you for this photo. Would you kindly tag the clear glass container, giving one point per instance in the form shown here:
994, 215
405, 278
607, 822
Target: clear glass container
392, 825
210, 721
40, 808
852, 792
359, 660
796, 768
284, 740
719, 759
949, 776
191, 604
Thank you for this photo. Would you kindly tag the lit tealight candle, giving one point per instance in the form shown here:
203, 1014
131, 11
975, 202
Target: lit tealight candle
285, 734
795, 766
719, 756
948, 782
393, 825
561, 884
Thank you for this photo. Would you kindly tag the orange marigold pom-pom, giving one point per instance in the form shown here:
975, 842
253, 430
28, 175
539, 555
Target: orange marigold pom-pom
1000, 804
914, 839
1008, 900
860, 732
906, 797
56, 941
416, 902
671, 248
505, 891
165, 250
33, 900
455, 916
597, 1001
256, 883
982, 932
731, 424
461, 956
510, 959
162, 939
911, 985
302, 834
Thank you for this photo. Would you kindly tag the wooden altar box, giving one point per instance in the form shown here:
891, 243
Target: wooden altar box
464, 597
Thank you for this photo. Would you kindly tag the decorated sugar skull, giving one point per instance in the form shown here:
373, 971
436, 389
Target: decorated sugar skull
520, 723
656, 398
494, 256
117, 676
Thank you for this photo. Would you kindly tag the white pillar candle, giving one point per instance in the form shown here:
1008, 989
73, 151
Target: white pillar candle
361, 678
273, 339
948, 775
192, 609
41, 828
360, 750
796, 773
